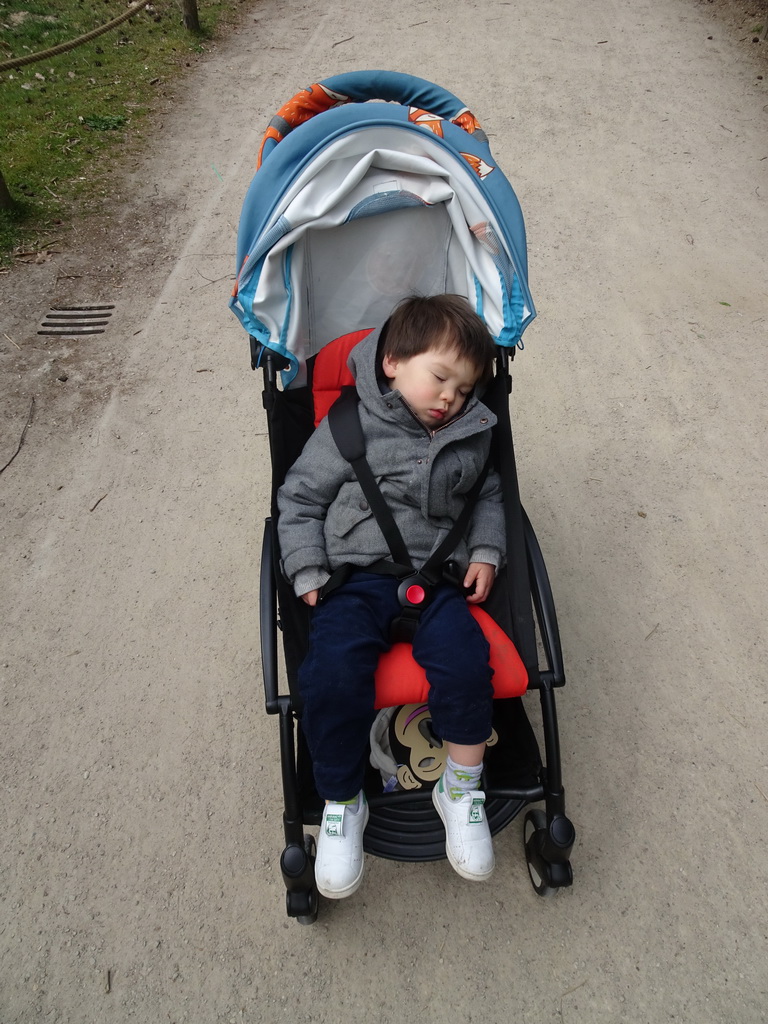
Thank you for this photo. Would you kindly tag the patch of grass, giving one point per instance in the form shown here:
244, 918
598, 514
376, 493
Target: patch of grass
62, 118
10, 221
105, 123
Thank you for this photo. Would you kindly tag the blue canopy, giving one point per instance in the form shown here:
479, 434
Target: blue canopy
357, 204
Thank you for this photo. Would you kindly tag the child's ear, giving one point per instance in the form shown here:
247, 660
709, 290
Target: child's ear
389, 366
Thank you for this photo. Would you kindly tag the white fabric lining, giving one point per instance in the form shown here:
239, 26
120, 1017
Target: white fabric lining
326, 277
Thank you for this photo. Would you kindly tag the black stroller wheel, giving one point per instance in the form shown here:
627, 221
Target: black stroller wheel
535, 825
298, 867
313, 896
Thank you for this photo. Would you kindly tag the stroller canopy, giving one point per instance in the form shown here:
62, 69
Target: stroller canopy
358, 204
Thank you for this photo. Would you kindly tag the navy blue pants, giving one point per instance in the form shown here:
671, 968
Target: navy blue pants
349, 631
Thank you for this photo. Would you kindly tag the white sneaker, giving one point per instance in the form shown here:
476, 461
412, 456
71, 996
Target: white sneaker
340, 860
468, 844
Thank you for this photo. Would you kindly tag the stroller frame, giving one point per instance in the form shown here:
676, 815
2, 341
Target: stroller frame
404, 825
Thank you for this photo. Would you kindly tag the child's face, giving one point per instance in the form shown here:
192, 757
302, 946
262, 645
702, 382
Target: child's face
435, 383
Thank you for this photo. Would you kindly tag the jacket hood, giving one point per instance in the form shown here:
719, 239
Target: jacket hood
362, 362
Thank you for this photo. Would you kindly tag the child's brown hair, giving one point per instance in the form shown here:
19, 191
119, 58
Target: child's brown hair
419, 322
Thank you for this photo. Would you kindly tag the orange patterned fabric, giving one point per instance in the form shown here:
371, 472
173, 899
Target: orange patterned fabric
318, 98
304, 105
424, 119
480, 167
467, 120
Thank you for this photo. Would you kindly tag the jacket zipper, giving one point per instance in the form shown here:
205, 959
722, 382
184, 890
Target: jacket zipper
431, 433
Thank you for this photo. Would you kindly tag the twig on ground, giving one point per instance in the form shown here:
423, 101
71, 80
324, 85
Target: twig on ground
575, 987
212, 280
45, 248
23, 435
570, 990
11, 341
94, 505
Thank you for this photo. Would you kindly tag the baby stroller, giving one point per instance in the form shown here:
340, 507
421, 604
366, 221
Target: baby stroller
355, 205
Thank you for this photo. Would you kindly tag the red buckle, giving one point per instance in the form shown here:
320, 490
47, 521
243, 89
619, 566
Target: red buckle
415, 594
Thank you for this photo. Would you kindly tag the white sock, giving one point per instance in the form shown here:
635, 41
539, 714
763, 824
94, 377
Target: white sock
460, 778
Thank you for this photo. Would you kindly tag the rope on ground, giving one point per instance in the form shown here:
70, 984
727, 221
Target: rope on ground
31, 58
23, 435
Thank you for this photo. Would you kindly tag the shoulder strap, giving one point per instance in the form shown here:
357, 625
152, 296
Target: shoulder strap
456, 532
344, 422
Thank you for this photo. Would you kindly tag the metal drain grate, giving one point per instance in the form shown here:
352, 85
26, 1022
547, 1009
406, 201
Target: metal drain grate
74, 320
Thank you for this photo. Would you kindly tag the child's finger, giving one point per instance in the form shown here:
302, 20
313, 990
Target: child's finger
472, 574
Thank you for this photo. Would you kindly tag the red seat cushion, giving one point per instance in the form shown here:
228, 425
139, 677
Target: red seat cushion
331, 372
399, 680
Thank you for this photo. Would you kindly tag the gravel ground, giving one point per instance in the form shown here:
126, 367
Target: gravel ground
139, 860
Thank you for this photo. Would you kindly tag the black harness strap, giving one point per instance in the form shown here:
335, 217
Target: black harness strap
344, 421
457, 531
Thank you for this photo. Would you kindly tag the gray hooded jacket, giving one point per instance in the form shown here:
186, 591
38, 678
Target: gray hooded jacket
325, 521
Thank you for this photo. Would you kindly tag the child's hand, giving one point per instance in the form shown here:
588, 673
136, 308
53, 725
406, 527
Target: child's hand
482, 574
310, 597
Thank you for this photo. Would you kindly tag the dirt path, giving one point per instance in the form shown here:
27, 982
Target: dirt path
140, 778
